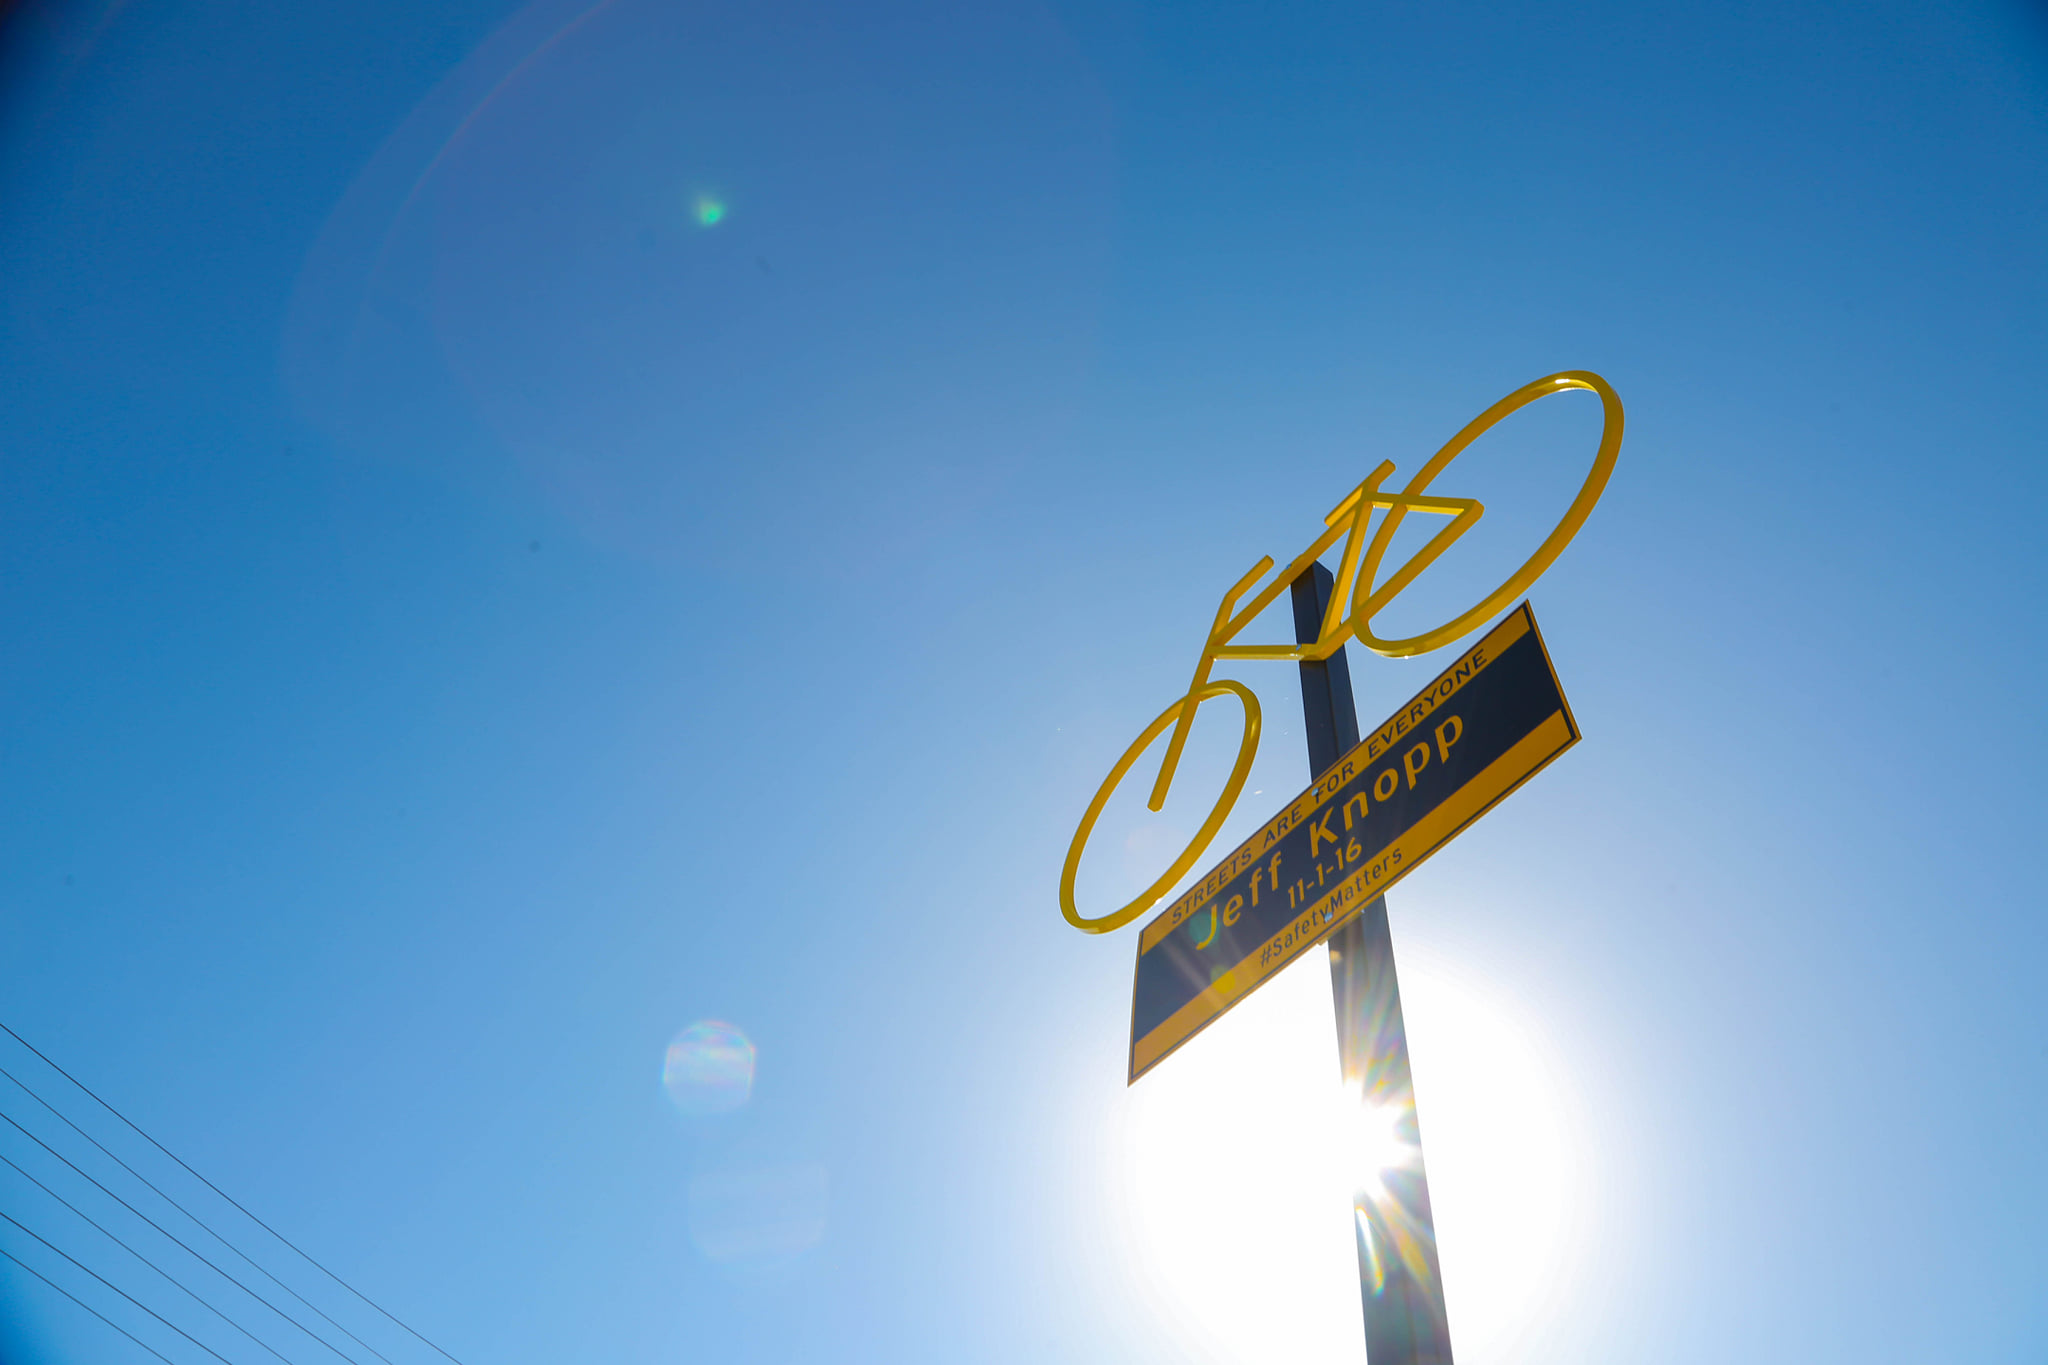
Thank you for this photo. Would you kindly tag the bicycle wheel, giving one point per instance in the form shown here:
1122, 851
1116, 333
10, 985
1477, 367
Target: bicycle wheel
1363, 590
1247, 748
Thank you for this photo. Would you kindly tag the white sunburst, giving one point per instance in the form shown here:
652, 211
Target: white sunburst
1240, 1151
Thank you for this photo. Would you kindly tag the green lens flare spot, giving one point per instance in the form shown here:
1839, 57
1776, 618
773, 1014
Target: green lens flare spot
709, 210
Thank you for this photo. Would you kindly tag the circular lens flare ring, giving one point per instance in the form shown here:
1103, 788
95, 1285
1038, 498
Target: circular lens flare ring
709, 1068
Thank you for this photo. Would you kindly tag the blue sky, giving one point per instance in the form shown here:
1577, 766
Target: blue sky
469, 618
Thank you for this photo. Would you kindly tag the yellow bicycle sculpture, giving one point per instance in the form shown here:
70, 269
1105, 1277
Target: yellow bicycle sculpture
1366, 598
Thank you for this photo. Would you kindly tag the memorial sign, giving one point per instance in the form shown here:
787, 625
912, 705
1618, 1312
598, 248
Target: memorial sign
1486, 725
1379, 804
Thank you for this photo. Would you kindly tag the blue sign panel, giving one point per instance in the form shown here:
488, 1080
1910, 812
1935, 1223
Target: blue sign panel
1486, 725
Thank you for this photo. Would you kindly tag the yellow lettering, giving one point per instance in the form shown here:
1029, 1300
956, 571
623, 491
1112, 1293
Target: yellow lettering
1445, 741
1413, 768
1319, 833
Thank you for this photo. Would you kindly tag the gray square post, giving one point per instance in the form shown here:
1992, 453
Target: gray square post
1398, 1273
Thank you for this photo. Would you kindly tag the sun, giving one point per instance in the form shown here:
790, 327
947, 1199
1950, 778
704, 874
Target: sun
1242, 1153
1368, 1140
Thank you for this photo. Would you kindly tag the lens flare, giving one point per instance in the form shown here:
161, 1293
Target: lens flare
758, 1215
710, 209
709, 1068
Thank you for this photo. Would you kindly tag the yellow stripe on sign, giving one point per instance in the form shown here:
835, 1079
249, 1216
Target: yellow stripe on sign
1500, 777
1348, 897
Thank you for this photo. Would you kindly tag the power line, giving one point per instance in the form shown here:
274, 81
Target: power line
190, 1293
86, 1306
122, 1292
224, 1195
168, 1233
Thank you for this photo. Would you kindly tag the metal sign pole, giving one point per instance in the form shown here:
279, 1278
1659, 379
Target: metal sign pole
1398, 1274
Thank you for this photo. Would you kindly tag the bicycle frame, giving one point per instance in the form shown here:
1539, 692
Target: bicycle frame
1347, 522
1356, 584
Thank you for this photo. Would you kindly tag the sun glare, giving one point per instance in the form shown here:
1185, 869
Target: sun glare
1367, 1139
1242, 1153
